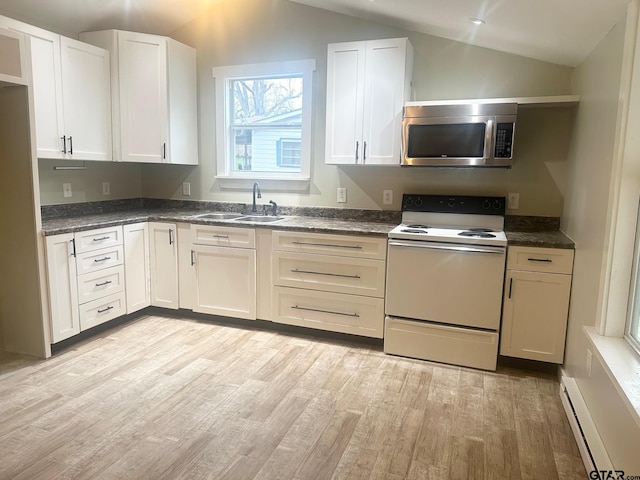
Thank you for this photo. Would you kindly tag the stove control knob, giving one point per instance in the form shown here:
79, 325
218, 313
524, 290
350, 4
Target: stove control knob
418, 202
452, 202
497, 204
486, 204
408, 202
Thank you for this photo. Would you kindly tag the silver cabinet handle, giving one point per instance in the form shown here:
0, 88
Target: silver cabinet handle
164, 151
110, 307
70, 145
296, 307
364, 152
73, 245
100, 239
97, 260
103, 283
357, 148
171, 236
220, 236
295, 270
64, 143
429, 246
326, 245
545, 260
193, 258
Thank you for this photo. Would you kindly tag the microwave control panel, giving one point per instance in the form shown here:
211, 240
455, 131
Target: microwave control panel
504, 140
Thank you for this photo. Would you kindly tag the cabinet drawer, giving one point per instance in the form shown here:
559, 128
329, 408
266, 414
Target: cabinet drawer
102, 310
223, 236
329, 311
325, 272
441, 343
99, 284
550, 260
340, 245
100, 259
97, 239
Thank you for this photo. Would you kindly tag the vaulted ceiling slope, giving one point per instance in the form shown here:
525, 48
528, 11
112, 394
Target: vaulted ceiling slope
557, 31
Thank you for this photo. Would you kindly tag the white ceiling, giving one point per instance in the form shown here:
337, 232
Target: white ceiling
558, 31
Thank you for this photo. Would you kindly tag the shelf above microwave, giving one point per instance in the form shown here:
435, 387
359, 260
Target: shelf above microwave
523, 102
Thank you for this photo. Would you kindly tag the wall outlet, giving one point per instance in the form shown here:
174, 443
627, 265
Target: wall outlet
387, 197
588, 365
186, 189
342, 195
106, 188
66, 190
513, 201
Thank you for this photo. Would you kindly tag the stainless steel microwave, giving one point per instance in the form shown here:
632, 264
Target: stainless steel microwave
458, 135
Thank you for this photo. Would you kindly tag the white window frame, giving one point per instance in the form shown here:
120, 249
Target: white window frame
230, 178
634, 291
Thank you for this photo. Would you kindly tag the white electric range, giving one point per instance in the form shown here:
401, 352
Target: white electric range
445, 275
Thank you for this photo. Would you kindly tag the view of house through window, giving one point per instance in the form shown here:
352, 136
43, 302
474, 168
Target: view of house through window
265, 123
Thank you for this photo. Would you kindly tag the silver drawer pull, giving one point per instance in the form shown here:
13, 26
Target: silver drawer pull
295, 270
103, 283
100, 239
296, 307
220, 236
110, 307
327, 245
102, 259
546, 260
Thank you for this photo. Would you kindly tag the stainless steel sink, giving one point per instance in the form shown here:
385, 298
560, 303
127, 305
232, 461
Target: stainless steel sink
258, 219
220, 215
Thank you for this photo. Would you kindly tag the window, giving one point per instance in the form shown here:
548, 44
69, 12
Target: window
633, 318
263, 121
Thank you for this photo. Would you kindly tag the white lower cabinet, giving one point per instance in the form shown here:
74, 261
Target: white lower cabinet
329, 282
63, 288
163, 257
136, 266
536, 303
224, 274
86, 280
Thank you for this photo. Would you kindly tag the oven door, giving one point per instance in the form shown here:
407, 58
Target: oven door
445, 283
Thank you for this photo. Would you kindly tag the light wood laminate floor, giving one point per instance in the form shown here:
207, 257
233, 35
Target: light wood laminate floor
169, 398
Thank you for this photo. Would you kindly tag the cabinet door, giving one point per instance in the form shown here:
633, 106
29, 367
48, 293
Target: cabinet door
87, 100
164, 265
534, 317
225, 281
384, 97
136, 266
345, 90
47, 87
142, 65
63, 289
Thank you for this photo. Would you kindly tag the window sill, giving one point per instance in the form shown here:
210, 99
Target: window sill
266, 183
622, 364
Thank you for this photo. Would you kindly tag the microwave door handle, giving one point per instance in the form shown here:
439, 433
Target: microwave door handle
489, 139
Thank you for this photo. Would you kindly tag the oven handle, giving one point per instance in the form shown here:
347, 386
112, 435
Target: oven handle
459, 248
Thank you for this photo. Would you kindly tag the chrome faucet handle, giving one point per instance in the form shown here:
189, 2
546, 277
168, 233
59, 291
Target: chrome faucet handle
274, 208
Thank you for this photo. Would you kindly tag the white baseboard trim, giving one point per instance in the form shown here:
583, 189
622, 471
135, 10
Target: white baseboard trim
592, 450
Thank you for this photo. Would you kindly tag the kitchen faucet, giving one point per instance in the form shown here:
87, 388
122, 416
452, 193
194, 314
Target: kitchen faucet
256, 188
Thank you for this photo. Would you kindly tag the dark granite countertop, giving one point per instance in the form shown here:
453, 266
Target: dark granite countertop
521, 231
546, 239
56, 226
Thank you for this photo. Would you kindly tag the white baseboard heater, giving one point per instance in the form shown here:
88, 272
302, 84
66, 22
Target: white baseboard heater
594, 455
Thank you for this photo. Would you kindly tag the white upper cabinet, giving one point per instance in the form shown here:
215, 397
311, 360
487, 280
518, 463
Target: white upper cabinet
154, 100
71, 89
367, 85
86, 94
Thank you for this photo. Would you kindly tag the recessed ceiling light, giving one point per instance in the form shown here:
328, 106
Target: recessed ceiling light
476, 21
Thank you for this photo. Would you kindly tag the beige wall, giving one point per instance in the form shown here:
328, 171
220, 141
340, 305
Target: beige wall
252, 31
587, 217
